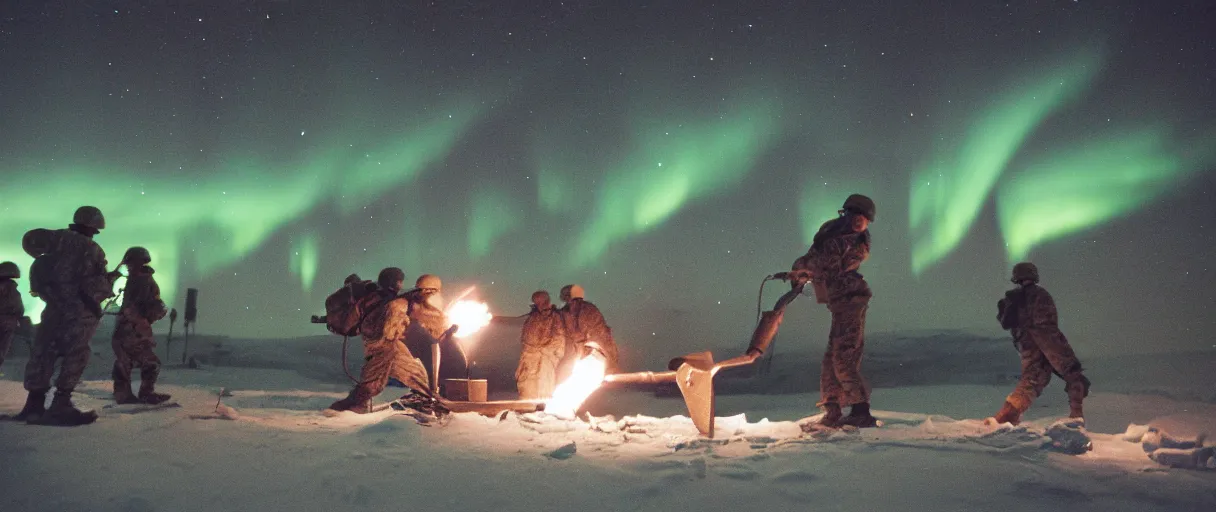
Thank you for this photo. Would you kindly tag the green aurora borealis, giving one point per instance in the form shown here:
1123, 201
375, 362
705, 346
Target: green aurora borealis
275, 154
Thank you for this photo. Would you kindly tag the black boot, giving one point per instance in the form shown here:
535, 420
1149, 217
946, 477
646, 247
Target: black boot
62, 413
123, 393
352, 403
147, 381
35, 406
831, 415
859, 416
122, 388
1008, 414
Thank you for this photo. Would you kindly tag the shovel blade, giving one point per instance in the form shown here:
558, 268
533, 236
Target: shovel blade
697, 387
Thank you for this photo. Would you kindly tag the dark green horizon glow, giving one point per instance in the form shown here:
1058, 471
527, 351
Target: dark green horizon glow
673, 164
1074, 189
948, 193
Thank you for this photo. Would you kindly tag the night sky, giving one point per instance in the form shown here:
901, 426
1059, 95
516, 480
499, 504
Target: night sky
664, 155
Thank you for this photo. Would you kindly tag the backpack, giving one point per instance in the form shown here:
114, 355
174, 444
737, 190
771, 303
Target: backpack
1007, 309
344, 308
37, 243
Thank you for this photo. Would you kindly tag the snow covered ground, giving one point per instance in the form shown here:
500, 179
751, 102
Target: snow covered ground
280, 453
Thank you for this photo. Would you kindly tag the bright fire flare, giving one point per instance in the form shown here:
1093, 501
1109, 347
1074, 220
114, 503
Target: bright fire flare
471, 316
584, 379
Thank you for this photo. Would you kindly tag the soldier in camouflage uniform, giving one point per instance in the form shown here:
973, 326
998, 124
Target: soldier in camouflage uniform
133, 340
386, 319
583, 322
838, 250
1029, 313
542, 346
11, 308
69, 274
426, 305
426, 310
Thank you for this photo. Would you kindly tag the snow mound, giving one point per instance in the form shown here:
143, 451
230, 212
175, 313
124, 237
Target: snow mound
1172, 451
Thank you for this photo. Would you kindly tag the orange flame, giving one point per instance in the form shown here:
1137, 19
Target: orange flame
586, 377
471, 316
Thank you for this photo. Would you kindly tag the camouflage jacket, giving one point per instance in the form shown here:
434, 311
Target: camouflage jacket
432, 319
11, 308
544, 329
836, 250
1028, 307
384, 322
76, 269
583, 322
141, 297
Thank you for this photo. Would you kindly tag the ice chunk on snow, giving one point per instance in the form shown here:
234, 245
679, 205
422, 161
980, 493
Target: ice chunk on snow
1069, 436
1195, 458
563, 453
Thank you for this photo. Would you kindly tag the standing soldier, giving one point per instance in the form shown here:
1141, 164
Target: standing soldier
426, 309
69, 274
133, 340
426, 305
1029, 313
838, 250
583, 322
11, 309
385, 321
542, 347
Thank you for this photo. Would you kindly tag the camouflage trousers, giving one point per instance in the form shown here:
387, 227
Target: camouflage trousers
8, 330
133, 343
536, 376
63, 335
384, 359
840, 380
1043, 352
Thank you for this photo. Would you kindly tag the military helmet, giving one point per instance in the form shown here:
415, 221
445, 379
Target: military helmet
10, 270
1025, 271
571, 292
391, 278
428, 282
137, 256
860, 205
89, 216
